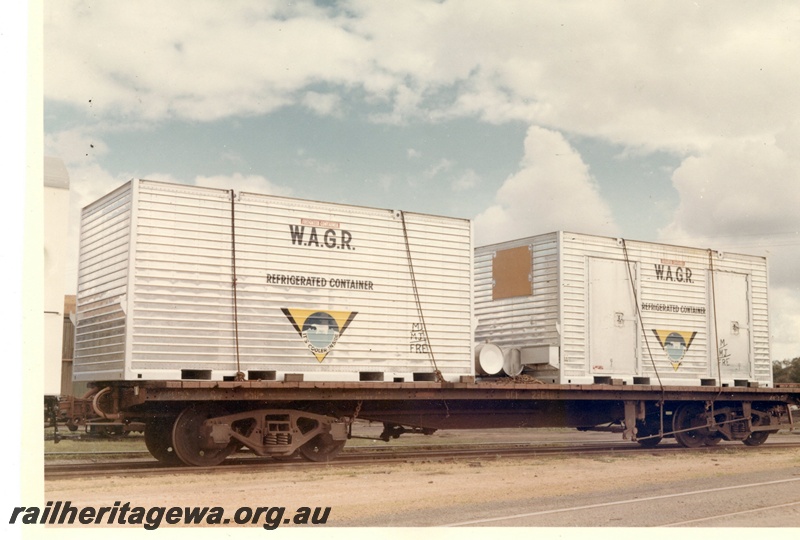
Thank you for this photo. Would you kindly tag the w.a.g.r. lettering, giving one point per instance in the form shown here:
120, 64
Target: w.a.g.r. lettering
331, 238
666, 272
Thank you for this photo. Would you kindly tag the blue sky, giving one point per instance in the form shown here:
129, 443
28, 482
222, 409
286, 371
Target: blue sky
661, 121
449, 167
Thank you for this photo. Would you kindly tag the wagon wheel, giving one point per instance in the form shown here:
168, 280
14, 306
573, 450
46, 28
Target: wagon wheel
321, 448
290, 457
191, 437
110, 432
687, 416
712, 439
158, 439
650, 429
652, 442
756, 438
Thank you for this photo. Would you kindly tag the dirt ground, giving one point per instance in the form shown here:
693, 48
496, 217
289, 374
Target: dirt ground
371, 495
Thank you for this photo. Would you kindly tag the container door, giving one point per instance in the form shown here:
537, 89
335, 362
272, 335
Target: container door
613, 331
732, 333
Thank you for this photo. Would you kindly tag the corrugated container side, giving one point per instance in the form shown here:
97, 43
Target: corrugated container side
103, 266
300, 258
574, 278
520, 321
676, 303
761, 338
681, 286
661, 327
752, 273
182, 301
578, 253
322, 290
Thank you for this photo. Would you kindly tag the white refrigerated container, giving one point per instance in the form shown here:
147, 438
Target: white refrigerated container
575, 309
184, 282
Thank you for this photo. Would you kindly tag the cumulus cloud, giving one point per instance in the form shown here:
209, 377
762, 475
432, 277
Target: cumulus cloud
744, 196
661, 75
157, 60
553, 190
737, 187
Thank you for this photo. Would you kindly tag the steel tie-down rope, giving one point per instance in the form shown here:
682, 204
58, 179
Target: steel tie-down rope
437, 373
239, 373
644, 335
716, 332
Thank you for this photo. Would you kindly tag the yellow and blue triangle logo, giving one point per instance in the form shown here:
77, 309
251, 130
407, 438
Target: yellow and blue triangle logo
320, 329
675, 343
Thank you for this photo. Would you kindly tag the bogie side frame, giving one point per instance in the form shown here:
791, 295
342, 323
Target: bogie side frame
202, 422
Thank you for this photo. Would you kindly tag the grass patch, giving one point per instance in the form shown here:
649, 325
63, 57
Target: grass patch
74, 446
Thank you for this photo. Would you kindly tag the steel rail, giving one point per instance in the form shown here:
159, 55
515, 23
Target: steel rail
396, 455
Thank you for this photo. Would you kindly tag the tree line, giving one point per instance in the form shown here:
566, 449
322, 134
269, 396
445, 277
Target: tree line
786, 371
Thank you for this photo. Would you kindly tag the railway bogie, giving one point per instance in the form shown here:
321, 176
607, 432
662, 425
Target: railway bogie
205, 433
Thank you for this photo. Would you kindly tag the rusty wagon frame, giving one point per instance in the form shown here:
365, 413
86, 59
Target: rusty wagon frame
200, 423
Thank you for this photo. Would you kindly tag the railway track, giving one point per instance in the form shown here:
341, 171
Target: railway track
362, 456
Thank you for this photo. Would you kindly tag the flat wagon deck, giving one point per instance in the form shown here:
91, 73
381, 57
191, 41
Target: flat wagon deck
201, 422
